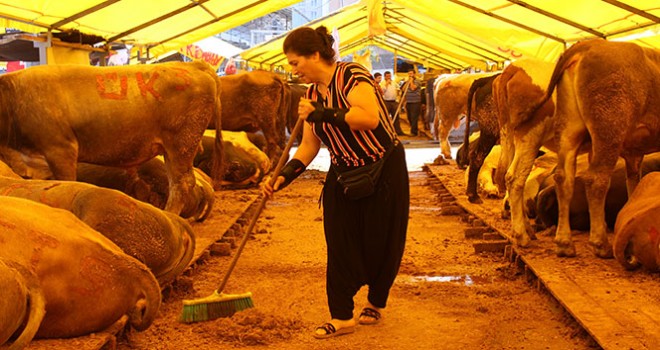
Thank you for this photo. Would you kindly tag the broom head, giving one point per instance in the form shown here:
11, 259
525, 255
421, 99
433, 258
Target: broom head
214, 306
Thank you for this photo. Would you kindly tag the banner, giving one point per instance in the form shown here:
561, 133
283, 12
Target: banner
195, 52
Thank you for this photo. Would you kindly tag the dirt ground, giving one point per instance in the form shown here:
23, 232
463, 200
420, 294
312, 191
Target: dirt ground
445, 296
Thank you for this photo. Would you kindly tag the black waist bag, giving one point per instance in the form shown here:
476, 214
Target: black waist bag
361, 182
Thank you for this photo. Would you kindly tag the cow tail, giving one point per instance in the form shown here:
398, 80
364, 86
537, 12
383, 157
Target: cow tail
622, 253
37, 302
476, 84
565, 61
148, 303
217, 165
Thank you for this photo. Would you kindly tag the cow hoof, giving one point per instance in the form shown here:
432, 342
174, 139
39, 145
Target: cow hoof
475, 199
440, 160
566, 250
522, 241
604, 252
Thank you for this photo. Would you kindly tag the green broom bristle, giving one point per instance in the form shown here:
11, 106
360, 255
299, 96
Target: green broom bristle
214, 306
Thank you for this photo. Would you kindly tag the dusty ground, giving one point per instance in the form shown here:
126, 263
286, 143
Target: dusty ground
474, 301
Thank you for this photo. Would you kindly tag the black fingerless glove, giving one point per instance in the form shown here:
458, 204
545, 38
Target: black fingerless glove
291, 170
334, 116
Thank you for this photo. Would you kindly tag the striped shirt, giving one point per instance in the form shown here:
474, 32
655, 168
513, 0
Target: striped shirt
352, 148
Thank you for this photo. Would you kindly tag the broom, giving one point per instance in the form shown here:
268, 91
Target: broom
219, 304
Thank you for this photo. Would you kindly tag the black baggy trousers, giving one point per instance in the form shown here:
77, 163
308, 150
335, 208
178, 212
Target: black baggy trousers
365, 238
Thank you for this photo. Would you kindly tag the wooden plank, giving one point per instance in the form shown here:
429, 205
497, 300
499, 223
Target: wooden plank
620, 309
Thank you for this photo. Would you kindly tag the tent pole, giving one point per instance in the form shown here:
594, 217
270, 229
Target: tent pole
395, 54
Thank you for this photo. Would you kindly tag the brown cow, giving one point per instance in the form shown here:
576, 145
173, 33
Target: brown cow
636, 232
253, 101
608, 100
519, 86
117, 116
159, 239
22, 306
88, 282
148, 183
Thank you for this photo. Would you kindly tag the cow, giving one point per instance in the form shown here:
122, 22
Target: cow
450, 93
608, 102
148, 183
637, 233
159, 239
617, 194
88, 282
520, 85
486, 114
256, 101
116, 116
245, 164
22, 306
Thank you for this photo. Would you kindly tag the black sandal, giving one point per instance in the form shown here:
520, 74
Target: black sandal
331, 331
369, 316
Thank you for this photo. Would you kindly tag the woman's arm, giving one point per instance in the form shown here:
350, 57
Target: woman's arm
363, 114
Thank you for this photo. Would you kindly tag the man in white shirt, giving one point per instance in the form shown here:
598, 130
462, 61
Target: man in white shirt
390, 91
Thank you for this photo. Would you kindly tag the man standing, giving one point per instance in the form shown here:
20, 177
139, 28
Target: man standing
378, 78
390, 92
413, 102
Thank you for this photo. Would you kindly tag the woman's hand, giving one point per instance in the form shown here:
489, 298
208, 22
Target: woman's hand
267, 190
305, 108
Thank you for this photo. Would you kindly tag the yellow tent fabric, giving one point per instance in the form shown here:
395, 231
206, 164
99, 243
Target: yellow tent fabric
159, 25
457, 34
452, 34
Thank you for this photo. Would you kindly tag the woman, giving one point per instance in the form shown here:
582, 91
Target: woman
365, 237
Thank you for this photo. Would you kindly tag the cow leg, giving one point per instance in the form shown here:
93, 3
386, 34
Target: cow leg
181, 179
515, 182
633, 172
443, 136
62, 161
597, 182
484, 146
506, 158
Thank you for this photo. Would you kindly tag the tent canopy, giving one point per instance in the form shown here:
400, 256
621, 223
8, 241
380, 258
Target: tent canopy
157, 25
449, 34
456, 34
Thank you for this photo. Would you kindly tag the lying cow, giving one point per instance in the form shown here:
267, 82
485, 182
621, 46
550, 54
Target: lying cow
117, 116
607, 100
254, 101
244, 163
484, 180
637, 233
22, 306
88, 282
617, 194
148, 183
161, 240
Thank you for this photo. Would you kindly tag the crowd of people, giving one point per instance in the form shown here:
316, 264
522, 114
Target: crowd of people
411, 91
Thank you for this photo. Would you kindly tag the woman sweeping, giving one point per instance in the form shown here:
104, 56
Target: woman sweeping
366, 193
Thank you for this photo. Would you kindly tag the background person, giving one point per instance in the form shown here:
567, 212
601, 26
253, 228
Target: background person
413, 102
365, 237
390, 91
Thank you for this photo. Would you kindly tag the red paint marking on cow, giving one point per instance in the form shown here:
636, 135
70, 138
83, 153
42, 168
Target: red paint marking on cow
148, 86
94, 272
112, 77
185, 76
9, 189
